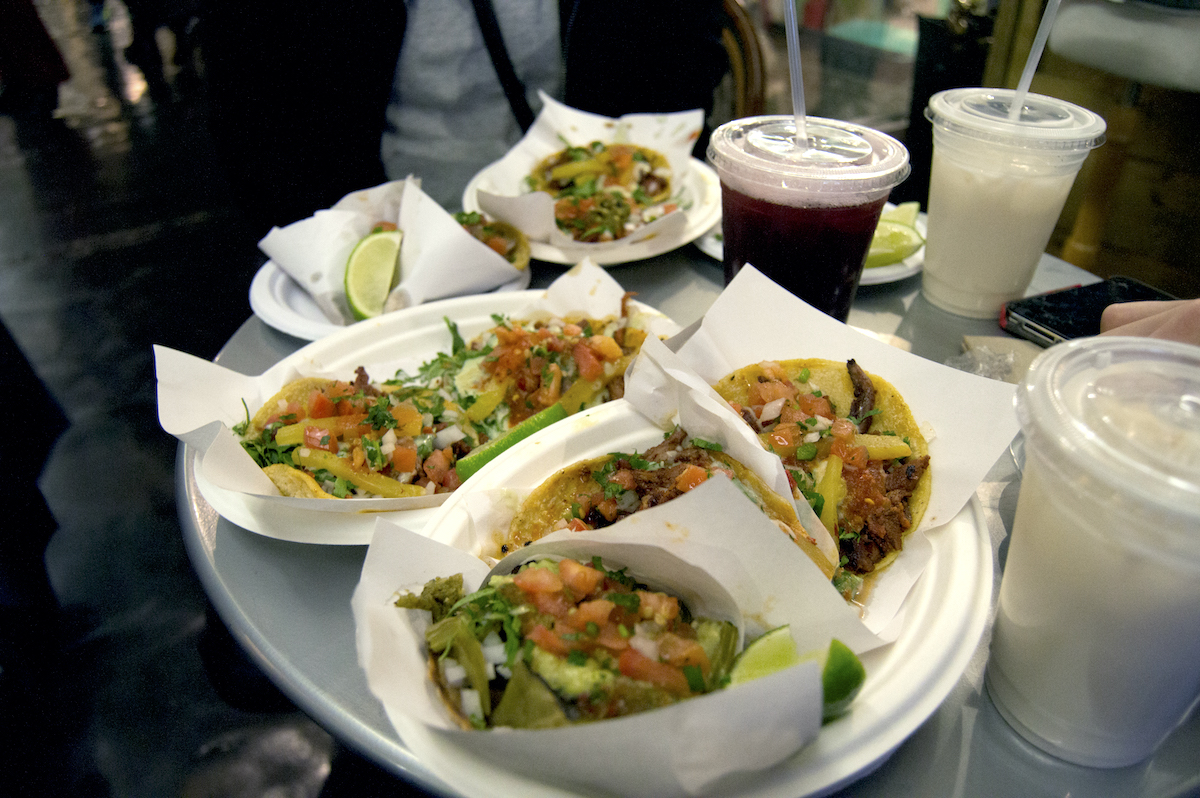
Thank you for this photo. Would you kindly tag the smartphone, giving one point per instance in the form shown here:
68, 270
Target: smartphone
1058, 316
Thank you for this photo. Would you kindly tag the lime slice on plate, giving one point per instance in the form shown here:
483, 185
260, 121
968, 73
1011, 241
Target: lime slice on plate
371, 271
904, 213
481, 455
842, 673
841, 678
893, 242
772, 652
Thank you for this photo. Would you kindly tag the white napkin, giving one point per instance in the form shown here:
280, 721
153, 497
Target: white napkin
438, 258
503, 192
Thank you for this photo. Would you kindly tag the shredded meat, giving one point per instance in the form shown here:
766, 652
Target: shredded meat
876, 508
362, 383
864, 395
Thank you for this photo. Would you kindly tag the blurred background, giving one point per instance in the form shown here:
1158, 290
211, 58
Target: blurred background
122, 225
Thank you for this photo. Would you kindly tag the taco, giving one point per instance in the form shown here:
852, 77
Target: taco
601, 491
500, 236
560, 642
409, 435
849, 443
603, 192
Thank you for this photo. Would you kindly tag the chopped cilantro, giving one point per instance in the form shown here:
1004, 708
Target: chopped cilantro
695, 678
577, 657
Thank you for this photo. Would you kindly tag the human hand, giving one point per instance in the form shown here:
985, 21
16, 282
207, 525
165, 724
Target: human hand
1174, 320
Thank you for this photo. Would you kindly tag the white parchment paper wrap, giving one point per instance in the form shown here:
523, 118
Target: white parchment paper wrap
505, 195
199, 401
681, 750
968, 421
438, 258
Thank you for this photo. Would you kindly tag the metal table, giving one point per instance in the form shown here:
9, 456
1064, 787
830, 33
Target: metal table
288, 604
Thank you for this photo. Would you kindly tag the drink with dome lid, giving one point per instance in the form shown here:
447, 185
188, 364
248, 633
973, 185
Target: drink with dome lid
803, 213
997, 185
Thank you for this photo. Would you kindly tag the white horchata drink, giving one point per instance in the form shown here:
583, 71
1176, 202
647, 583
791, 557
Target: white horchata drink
1097, 636
996, 189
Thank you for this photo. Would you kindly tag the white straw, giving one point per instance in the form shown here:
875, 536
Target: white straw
794, 71
1035, 55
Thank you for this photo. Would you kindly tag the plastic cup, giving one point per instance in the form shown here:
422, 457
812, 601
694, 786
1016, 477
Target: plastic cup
996, 189
804, 216
1097, 638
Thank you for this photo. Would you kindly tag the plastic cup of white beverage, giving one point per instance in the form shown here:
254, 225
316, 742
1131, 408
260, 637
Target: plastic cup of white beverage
1095, 655
996, 190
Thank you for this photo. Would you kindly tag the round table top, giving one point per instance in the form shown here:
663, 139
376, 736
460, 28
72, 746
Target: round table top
288, 604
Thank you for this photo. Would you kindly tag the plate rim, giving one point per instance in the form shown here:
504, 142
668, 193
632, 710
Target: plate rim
875, 738
548, 253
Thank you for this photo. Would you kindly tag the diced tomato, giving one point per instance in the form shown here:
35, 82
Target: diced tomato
319, 438
670, 207
691, 477
578, 525
404, 459
843, 429
552, 603
320, 405
635, 665
590, 366
498, 244
595, 611
582, 579
680, 651
815, 405
288, 415
438, 465
408, 418
538, 580
545, 639
767, 391
605, 347
852, 456
658, 606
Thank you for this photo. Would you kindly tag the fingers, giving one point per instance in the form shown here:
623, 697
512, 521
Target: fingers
1174, 320
1129, 312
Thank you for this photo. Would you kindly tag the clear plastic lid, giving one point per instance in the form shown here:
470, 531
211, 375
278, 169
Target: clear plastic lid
1125, 411
841, 157
1045, 122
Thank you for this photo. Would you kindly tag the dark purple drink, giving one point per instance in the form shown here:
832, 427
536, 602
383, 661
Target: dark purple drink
816, 253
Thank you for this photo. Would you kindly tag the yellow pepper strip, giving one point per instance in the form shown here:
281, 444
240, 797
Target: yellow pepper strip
342, 426
582, 392
574, 169
488, 401
883, 447
315, 459
833, 488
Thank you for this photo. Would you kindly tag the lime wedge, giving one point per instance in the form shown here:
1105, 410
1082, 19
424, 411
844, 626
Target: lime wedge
904, 213
483, 454
841, 678
893, 242
772, 652
371, 271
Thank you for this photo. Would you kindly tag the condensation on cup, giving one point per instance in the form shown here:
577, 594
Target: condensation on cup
1096, 650
996, 190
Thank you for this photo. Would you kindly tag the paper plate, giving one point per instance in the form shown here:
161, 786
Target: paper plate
418, 333
906, 680
280, 302
701, 186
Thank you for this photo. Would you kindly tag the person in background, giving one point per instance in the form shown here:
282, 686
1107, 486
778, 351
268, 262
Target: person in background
1175, 320
308, 101
449, 116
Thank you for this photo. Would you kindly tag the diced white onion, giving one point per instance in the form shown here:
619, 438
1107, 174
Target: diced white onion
493, 648
644, 646
503, 671
447, 436
387, 442
820, 423
628, 501
453, 673
772, 409
471, 705
431, 488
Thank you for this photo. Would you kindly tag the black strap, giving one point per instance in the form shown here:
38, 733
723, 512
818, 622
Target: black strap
514, 89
